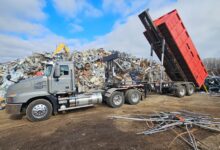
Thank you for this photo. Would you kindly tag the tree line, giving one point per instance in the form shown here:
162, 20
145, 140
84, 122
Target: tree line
212, 65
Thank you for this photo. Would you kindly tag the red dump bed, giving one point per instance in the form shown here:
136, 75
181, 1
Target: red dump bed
180, 44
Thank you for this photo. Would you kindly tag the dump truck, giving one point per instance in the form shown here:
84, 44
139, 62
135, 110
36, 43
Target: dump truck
171, 42
57, 90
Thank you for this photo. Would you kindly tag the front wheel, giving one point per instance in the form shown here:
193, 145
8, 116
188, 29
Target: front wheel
39, 110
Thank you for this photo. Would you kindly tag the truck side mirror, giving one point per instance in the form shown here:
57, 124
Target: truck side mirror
57, 71
8, 77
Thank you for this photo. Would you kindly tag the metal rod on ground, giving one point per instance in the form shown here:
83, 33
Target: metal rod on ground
140, 119
179, 135
164, 121
182, 138
201, 145
206, 127
192, 139
162, 128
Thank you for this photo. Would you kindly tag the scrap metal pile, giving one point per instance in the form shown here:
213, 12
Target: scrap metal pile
186, 121
213, 85
20, 69
89, 68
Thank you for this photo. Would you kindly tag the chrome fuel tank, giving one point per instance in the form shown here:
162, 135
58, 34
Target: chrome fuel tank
86, 99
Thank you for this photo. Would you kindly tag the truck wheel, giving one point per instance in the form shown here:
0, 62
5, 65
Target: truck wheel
132, 97
39, 110
180, 91
189, 89
116, 99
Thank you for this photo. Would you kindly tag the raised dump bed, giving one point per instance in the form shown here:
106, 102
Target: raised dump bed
181, 59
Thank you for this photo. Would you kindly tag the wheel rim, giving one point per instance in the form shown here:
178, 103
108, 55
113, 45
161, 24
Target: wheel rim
135, 97
191, 90
182, 91
39, 111
117, 99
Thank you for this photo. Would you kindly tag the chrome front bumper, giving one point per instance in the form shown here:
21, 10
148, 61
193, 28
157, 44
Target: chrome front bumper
13, 108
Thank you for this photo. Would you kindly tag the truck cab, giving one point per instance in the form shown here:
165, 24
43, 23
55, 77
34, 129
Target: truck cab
56, 90
60, 78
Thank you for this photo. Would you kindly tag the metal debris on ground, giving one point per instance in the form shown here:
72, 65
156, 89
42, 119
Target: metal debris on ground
185, 120
89, 68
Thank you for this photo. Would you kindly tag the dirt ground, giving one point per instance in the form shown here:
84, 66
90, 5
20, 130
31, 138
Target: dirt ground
91, 128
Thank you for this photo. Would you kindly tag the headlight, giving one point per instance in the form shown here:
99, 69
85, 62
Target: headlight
9, 99
13, 94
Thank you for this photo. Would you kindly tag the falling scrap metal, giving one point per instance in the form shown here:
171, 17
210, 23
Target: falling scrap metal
164, 121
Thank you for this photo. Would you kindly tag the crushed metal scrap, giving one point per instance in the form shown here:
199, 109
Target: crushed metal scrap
185, 120
213, 85
89, 68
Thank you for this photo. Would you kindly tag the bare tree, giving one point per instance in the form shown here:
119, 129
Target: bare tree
212, 65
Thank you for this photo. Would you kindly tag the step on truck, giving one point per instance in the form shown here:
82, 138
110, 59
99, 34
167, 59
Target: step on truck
57, 91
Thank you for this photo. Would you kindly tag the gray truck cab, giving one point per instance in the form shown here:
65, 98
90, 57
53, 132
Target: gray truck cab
56, 90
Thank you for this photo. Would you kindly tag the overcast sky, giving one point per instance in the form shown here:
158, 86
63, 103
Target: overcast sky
28, 26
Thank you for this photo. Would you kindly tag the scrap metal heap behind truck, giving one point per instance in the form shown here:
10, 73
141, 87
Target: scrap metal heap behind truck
56, 91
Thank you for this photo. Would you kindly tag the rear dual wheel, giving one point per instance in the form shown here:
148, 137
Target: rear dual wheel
132, 96
116, 99
180, 91
189, 89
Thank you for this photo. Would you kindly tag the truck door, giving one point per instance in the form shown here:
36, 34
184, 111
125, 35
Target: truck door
63, 83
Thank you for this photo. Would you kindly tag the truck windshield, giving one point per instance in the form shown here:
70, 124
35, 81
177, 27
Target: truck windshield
48, 70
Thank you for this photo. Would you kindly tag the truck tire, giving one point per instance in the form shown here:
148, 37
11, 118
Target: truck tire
189, 89
180, 91
39, 110
116, 99
132, 97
